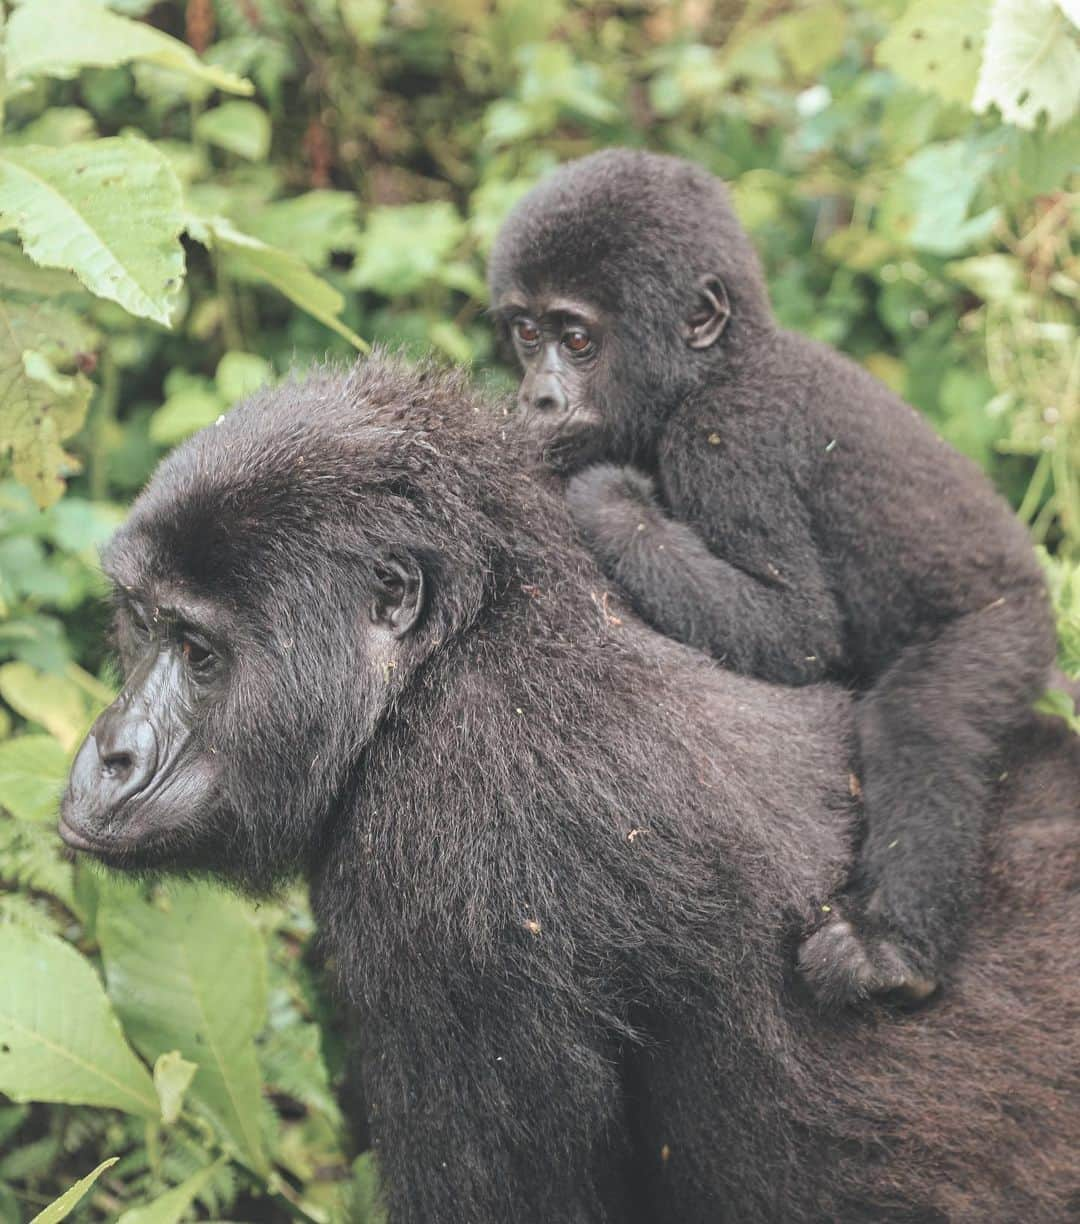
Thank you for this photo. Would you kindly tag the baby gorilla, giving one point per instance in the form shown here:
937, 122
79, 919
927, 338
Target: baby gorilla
786, 513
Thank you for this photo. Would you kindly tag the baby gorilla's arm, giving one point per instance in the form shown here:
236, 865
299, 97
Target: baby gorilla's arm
783, 627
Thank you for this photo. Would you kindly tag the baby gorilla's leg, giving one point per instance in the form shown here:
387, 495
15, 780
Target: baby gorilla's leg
929, 736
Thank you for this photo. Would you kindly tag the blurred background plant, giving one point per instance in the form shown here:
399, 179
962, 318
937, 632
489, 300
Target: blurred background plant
197, 197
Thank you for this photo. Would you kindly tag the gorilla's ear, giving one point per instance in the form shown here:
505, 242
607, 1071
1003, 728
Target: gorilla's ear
400, 594
709, 315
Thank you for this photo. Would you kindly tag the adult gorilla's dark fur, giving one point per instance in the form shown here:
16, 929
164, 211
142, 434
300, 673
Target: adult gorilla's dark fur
559, 861
796, 520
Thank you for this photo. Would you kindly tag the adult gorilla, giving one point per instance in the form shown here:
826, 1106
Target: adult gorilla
561, 862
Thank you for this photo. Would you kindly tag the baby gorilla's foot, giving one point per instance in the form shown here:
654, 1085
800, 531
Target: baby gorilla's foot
844, 965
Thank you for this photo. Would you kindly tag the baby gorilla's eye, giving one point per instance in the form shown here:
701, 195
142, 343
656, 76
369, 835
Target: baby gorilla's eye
527, 331
195, 650
576, 340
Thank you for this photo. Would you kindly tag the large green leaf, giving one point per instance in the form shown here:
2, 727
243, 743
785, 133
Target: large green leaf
58, 38
403, 248
59, 1038
39, 405
1031, 64
254, 262
60, 1208
192, 977
312, 225
930, 201
32, 773
54, 702
938, 46
107, 210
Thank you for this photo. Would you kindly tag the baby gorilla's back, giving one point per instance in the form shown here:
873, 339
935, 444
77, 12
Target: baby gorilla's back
795, 520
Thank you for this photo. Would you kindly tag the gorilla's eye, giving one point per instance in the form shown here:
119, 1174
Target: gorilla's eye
195, 649
577, 341
138, 620
527, 331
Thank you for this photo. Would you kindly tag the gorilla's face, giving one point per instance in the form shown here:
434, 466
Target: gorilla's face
593, 382
244, 710
563, 349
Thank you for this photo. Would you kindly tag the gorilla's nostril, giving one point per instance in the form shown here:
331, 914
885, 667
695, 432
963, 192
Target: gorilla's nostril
117, 764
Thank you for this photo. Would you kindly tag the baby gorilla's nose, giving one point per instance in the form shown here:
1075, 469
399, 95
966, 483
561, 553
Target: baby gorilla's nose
548, 394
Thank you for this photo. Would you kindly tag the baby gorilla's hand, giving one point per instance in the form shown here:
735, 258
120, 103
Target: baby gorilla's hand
845, 965
598, 487
609, 505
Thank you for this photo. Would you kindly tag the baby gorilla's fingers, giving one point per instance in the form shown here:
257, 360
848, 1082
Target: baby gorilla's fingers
844, 966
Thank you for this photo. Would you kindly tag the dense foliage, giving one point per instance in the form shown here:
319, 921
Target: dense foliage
196, 197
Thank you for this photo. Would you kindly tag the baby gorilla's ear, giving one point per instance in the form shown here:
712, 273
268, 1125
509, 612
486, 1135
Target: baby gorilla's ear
399, 595
709, 315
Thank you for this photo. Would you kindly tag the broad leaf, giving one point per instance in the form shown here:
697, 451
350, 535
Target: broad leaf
404, 247
59, 1038
60, 1208
192, 978
313, 225
33, 769
59, 38
1031, 64
239, 375
39, 405
938, 47
107, 210
812, 38
930, 201
254, 262
53, 702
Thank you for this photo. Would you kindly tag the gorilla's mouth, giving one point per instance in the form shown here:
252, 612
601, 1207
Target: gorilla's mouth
115, 849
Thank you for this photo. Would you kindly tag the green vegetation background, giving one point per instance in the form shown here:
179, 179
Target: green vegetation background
197, 197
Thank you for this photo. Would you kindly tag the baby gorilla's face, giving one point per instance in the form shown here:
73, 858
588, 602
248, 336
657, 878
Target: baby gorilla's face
560, 346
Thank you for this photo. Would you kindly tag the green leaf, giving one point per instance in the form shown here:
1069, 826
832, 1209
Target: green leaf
813, 38
107, 210
1035, 163
171, 1207
58, 38
403, 248
995, 278
1061, 705
237, 127
32, 859
1031, 64
930, 201
241, 374
313, 225
254, 262
33, 770
191, 408
53, 702
59, 1038
938, 47
40, 408
58, 126
60, 1208
366, 1201
172, 1078
192, 978
21, 275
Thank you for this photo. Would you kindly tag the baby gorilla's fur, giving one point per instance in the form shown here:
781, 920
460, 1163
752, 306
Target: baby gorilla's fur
791, 516
560, 862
